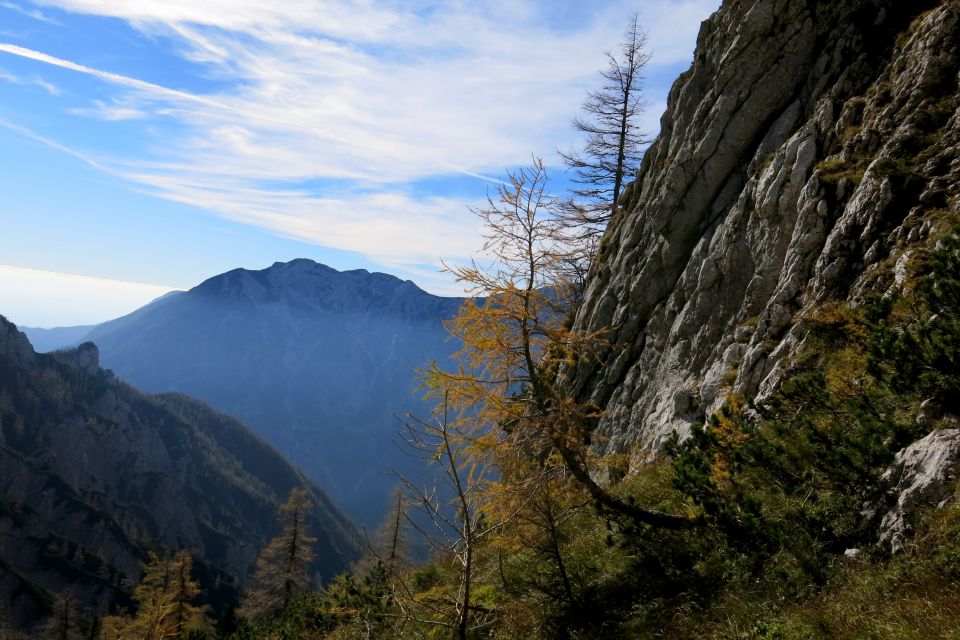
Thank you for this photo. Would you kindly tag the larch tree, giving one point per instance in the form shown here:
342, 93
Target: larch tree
10, 632
282, 572
184, 591
113, 628
390, 541
516, 339
164, 597
388, 545
612, 144
456, 527
544, 514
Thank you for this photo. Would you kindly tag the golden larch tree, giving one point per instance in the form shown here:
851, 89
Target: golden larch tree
282, 572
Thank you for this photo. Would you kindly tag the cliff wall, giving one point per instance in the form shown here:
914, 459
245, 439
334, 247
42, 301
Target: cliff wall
805, 151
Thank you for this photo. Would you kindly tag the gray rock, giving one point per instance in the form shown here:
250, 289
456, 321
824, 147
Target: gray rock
88, 358
736, 226
922, 475
85, 357
928, 414
14, 345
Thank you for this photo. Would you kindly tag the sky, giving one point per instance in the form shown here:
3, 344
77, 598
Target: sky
146, 145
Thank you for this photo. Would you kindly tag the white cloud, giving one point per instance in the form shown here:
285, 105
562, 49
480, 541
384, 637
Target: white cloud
30, 13
27, 133
392, 226
113, 111
31, 297
369, 96
146, 88
12, 78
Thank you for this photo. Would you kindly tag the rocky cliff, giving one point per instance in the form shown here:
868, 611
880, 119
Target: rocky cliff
808, 147
94, 474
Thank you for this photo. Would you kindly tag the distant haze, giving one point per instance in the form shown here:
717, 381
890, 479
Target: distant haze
319, 362
48, 299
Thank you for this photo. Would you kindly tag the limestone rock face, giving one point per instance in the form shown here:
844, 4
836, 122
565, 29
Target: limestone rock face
922, 475
795, 163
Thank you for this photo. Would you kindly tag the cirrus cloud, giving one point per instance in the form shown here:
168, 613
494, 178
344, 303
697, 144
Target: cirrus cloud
323, 116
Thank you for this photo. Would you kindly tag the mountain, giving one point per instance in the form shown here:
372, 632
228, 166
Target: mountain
808, 152
46, 340
319, 362
793, 234
94, 474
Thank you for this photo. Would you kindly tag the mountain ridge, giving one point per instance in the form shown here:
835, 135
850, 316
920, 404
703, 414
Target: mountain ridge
94, 474
319, 362
61, 337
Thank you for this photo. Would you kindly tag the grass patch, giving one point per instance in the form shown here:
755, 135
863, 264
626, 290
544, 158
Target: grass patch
915, 595
833, 170
892, 167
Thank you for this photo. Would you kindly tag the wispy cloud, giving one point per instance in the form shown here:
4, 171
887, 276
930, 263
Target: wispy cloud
393, 226
370, 97
113, 111
30, 13
145, 88
50, 88
83, 157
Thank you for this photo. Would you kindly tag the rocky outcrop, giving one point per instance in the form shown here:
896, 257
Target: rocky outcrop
922, 475
798, 159
14, 345
85, 357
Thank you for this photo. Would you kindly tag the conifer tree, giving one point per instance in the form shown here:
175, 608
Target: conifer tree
396, 541
611, 151
62, 623
916, 346
389, 543
516, 340
8, 630
186, 616
456, 528
164, 601
282, 571
113, 628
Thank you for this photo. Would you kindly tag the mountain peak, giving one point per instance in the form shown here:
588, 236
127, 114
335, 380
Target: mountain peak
14, 344
306, 265
319, 361
305, 283
300, 264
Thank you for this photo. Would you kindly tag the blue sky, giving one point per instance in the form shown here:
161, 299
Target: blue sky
150, 144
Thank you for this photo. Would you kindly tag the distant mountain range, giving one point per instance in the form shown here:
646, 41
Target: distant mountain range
93, 474
319, 362
44, 340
